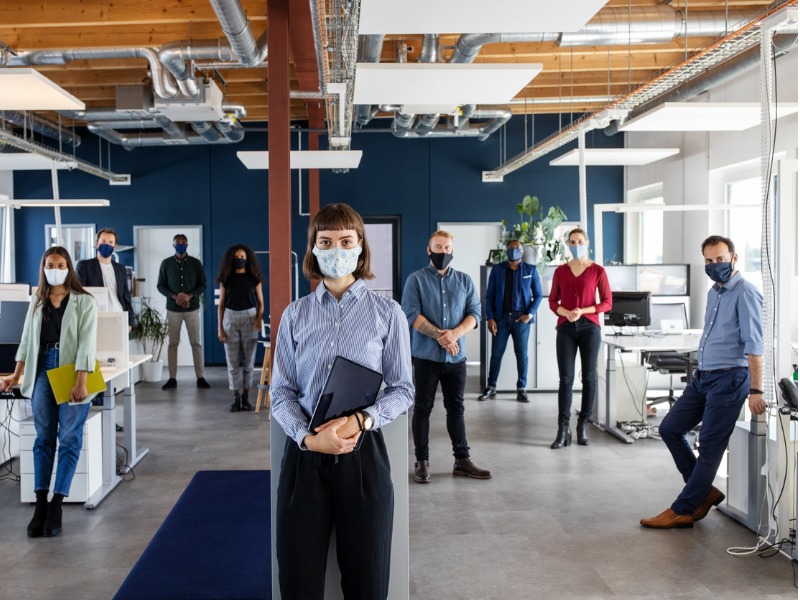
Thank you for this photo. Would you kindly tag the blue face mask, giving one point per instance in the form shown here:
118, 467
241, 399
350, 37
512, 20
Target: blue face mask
180, 249
514, 254
105, 250
579, 251
720, 272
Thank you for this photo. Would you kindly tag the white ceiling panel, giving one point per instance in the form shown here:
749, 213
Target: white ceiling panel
606, 157
474, 16
24, 161
440, 83
27, 89
305, 159
703, 116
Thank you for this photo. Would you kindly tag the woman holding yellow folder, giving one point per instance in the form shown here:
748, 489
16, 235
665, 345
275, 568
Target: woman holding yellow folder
60, 329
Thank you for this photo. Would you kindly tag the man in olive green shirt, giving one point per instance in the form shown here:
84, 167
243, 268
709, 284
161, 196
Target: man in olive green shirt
182, 280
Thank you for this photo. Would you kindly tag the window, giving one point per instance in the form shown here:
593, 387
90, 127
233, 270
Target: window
743, 226
644, 240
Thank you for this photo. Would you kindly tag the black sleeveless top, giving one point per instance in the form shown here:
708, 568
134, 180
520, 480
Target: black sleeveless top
240, 291
51, 328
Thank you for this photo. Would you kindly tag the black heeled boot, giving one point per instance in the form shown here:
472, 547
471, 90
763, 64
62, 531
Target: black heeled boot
563, 437
245, 403
52, 524
583, 437
237, 402
36, 526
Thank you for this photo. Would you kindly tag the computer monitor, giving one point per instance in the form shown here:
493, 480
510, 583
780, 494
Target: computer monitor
669, 316
629, 308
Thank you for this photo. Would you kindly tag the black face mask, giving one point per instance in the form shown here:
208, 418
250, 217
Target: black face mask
239, 263
440, 260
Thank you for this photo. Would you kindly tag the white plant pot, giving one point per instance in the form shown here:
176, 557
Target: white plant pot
530, 254
152, 370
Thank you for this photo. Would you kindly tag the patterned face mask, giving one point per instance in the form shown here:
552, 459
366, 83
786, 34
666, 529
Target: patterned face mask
337, 262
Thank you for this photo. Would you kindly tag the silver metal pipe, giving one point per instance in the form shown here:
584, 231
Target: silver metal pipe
133, 124
498, 116
369, 51
206, 130
232, 132
41, 125
234, 23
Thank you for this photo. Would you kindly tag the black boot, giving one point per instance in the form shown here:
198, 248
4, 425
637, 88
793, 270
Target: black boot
52, 525
237, 402
36, 526
245, 404
583, 437
563, 437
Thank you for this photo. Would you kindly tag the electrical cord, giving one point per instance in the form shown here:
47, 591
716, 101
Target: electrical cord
124, 470
6, 459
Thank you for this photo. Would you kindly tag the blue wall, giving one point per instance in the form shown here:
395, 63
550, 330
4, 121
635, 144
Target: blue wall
423, 181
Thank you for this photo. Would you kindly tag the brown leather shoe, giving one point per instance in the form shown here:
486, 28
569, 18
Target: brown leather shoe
421, 472
668, 520
465, 468
713, 499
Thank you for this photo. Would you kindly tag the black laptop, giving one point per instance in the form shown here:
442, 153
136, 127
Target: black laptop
349, 388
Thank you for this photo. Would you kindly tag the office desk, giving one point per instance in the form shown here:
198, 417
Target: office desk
112, 375
651, 342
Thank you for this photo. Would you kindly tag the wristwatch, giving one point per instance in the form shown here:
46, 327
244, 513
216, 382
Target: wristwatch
754, 391
367, 420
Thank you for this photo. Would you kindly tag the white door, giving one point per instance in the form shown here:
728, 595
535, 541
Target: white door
153, 245
471, 245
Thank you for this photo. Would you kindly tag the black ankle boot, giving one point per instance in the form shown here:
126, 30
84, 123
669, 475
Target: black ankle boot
52, 525
245, 404
36, 526
583, 437
563, 437
237, 403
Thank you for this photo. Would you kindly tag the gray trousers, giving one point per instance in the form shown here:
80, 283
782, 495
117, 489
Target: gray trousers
241, 342
174, 322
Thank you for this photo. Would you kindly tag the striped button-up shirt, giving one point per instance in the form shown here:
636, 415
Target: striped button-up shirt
364, 327
732, 328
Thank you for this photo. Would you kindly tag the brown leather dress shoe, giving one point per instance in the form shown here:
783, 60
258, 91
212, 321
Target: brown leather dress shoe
421, 472
713, 499
668, 520
465, 468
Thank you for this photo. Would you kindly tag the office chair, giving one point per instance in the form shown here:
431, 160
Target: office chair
670, 363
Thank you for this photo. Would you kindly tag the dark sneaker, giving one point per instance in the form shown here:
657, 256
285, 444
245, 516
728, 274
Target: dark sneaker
202, 383
172, 383
522, 395
489, 392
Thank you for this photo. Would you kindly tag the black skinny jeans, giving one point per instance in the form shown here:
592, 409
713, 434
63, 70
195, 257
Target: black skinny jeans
585, 336
453, 377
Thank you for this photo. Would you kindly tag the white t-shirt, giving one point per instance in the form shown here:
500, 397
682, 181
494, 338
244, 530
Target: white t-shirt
110, 281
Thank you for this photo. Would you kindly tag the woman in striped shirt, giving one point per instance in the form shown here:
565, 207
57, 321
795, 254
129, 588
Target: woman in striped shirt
327, 480
573, 297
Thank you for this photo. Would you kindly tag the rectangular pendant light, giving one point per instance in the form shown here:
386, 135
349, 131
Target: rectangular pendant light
607, 157
703, 116
27, 161
305, 159
27, 89
51, 203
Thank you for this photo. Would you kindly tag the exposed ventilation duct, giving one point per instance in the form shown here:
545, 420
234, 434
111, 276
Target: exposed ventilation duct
41, 125
498, 117
369, 51
234, 23
425, 123
714, 77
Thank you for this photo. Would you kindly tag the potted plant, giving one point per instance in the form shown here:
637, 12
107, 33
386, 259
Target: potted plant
151, 330
537, 233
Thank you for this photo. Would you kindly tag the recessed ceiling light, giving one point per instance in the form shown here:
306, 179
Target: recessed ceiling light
27, 89
595, 157
703, 116
305, 159
474, 16
440, 83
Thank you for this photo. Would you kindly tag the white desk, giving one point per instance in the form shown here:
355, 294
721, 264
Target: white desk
649, 342
109, 442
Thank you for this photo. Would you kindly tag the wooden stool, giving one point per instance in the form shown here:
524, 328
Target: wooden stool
266, 378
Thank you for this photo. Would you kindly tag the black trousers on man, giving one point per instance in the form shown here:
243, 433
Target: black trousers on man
351, 492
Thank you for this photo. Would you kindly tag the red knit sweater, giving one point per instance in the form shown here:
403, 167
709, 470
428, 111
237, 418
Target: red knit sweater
573, 292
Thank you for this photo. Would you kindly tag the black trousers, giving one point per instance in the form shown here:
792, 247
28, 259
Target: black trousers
351, 492
453, 377
583, 336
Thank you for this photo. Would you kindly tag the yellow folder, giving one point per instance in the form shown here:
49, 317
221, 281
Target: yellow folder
62, 380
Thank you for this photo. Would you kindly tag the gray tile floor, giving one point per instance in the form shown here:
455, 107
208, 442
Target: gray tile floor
549, 524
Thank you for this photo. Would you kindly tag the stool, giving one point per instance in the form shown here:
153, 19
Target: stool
266, 378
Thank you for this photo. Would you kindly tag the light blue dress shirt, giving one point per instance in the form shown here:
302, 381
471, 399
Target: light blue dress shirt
365, 327
732, 328
445, 301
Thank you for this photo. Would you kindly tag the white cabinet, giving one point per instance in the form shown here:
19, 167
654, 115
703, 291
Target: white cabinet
546, 361
88, 473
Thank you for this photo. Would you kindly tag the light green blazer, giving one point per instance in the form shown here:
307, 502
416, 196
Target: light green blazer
77, 344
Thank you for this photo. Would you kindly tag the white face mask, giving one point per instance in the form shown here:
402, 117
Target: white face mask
337, 262
56, 276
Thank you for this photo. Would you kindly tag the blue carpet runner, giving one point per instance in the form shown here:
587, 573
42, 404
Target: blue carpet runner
214, 543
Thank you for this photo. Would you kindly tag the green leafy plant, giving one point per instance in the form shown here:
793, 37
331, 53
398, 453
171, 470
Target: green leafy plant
535, 228
151, 329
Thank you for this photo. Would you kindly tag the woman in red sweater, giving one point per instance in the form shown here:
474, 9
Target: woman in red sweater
573, 297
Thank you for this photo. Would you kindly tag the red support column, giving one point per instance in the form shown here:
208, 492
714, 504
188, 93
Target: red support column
280, 188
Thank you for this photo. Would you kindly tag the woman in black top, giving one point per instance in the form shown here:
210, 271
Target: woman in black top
241, 306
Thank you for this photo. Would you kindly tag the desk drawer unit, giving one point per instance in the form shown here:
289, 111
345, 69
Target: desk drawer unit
88, 472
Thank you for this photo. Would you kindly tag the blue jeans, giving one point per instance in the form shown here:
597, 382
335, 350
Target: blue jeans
716, 399
585, 336
507, 325
55, 422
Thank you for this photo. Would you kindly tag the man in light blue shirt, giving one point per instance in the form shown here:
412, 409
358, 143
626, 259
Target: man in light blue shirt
441, 305
729, 365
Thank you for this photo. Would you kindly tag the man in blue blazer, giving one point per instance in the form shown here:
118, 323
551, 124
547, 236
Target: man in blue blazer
512, 298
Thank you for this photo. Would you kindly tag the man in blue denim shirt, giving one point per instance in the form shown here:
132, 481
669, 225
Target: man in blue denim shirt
729, 365
441, 305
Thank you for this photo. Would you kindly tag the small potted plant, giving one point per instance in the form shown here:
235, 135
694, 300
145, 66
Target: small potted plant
537, 233
151, 330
